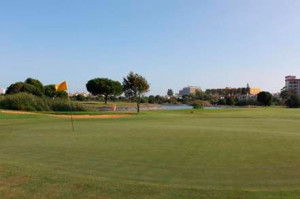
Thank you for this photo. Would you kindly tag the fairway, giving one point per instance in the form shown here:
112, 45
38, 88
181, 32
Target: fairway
225, 153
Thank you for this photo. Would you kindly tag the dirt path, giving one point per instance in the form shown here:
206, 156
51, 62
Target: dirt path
17, 112
66, 116
93, 116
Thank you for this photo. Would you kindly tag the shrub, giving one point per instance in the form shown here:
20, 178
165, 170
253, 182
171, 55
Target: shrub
36, 83
246, 102
199, 104
264, 98
24, 101
80, 98
221, 102
20, 87
229, 101
63, 105
51, 92
293, 101
29, 102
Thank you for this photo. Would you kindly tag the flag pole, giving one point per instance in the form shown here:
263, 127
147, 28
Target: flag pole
71, 113
64, 87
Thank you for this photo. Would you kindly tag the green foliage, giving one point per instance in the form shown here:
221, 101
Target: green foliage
104, 86
36, 83
63, 105
23, 87
246, 102
80, 97
264, 98
135, 86
229, 101
52, 93
25, 102
28, 102
293, 101
170, 92
200, 104
222, 102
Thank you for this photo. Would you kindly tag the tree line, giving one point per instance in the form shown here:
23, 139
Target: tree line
133, 87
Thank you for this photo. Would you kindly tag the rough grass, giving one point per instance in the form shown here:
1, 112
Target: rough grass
234, 153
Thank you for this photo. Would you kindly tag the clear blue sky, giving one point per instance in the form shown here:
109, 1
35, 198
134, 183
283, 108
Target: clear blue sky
173, 43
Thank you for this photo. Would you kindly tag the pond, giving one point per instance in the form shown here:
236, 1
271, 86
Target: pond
156, 107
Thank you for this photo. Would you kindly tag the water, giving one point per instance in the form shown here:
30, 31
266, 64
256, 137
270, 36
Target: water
175, 107
158, 107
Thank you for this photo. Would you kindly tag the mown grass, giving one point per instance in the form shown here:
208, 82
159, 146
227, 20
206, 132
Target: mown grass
229, 153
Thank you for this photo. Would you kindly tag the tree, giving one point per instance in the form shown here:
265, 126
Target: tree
199, 94
264, 98
285, 94
248, 88
23, 87
170, 92
134, 87
293, 101
105, 87
229, 101
51, 92
36, 83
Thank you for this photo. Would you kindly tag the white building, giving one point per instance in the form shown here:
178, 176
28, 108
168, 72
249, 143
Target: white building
293, 84
189, 90
2, 90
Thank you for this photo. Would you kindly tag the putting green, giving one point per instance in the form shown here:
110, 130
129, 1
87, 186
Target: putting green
229, 153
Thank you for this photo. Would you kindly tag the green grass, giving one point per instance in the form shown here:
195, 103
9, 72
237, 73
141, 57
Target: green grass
230, 153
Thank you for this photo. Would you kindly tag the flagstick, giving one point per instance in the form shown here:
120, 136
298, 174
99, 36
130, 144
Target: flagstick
71, 113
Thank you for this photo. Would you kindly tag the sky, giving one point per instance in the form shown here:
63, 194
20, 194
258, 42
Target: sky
173, 43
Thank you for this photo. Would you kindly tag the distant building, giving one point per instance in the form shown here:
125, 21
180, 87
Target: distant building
2, 90
254, 91
85, 94
292, 83
189, 90
240, 93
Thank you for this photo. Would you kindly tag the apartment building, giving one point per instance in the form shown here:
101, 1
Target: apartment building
189, 90
292, 83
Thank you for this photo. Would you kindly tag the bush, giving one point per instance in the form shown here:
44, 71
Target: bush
80, 98
229, 101
246, 102
199, 104
221, 102
264, 98
36, 83
293, 101
25, 102
63, 105
20, 87
51, 92
29, 102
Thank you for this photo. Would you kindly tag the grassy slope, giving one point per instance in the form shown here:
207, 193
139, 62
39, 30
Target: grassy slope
235, 153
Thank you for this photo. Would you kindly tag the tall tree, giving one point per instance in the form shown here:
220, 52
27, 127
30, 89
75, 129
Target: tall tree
36, 83
170, 92
23, 87
104, 86
264, 98
135, 86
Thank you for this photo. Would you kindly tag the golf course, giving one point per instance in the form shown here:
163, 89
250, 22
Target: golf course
236, 153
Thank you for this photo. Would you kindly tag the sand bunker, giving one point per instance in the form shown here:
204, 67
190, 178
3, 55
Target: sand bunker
93, 116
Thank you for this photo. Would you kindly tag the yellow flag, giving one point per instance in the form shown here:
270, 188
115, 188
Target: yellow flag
61, 87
